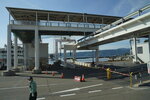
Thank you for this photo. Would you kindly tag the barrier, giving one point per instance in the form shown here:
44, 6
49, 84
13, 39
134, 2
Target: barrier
77, 78
124, 74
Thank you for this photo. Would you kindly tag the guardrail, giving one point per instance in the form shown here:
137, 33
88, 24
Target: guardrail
118, 22
58, 24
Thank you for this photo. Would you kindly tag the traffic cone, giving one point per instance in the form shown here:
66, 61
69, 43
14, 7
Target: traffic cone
53, 73
62, 75
83, 79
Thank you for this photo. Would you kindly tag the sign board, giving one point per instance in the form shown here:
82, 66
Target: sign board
148, 67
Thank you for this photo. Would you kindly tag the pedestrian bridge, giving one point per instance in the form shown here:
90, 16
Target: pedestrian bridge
136, 24
54, 23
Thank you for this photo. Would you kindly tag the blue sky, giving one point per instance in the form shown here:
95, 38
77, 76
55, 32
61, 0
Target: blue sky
103, 7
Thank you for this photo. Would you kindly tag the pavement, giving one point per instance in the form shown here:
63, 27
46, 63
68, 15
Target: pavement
96, 86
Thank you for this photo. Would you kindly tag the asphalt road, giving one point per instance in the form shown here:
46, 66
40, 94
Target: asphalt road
54, 88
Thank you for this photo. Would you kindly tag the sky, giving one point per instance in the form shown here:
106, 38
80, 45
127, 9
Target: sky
103, 7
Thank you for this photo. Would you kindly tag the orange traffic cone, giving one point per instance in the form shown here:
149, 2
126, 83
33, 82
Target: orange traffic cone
53, 73
83, 79
62, 75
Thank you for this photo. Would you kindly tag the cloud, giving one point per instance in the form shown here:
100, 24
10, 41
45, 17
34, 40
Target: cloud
139, 4
118, 7
125, 7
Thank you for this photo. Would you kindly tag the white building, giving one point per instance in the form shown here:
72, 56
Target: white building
142, 54
3, 55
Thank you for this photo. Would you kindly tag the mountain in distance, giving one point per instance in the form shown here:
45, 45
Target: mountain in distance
102, 53
105, 53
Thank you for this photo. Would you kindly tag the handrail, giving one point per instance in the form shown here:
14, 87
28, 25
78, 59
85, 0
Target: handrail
56, 23
118, 22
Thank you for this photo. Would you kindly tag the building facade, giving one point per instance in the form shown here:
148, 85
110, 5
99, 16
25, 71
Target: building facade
3, 56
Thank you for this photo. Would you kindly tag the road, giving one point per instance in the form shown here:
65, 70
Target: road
54, 88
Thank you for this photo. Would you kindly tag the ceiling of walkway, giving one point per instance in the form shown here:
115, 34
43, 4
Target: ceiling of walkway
30, 15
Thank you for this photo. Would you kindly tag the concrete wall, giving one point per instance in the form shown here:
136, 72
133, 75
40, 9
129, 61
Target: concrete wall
43, 50
31, 54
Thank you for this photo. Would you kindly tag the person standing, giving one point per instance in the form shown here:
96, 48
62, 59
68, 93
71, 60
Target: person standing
32, 88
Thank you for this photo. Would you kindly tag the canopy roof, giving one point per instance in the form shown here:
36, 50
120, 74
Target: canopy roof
30, 15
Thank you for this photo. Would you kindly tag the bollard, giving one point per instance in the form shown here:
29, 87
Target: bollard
108, 70
131, 79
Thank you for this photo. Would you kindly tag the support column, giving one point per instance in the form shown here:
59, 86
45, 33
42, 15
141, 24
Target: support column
9, 71
97, 56
37, 63
74, 55
25, 55
9, 48
65, 58
135, 49
56, 50
15, 52
149, 46
60, 49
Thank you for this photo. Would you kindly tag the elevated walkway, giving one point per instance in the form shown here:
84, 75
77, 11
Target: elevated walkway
49, 22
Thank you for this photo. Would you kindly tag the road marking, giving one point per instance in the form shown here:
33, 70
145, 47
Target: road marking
69, 90
21, 87
117, 88
41, 98
76, 89
90, 86
94, 91
67, 95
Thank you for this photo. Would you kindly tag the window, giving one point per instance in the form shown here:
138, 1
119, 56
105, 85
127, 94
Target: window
140, 50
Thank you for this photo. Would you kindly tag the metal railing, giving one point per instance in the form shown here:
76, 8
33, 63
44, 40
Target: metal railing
58, 24
118, 22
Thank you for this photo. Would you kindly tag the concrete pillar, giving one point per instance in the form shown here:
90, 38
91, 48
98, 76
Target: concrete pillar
65, 58
9, 66
60, 49
36, 49
37, 43
15, 52
74, 54
135, 49
56, 50
25, 55
9, 71
97, 56
149, 46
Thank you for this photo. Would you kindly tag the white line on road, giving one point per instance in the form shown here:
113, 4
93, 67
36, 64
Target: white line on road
90, 86
67, 95
117, 88
69, 90
94, 91
41, 98
75, 89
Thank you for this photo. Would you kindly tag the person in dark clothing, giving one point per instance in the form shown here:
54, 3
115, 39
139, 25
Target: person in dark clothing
32, 88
